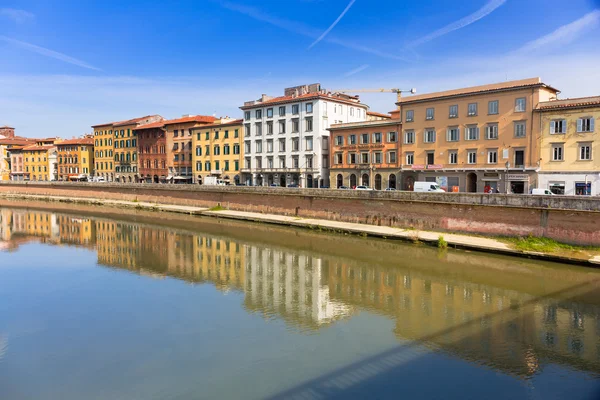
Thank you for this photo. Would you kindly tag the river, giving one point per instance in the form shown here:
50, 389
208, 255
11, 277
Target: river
100, 304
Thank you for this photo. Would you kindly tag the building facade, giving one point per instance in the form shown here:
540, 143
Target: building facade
104, 152
366, 153
7, 147
7, 132
17, 164
152, 150
217, 150
570, 146
36, 162
474, 139
179, 145
75, 159
286, 141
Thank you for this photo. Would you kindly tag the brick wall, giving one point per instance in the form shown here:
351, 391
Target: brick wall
567, 219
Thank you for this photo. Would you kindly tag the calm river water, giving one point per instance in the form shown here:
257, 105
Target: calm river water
97, 305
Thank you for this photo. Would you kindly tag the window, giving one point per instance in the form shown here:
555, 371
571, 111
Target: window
309, 124
258, 128
364, 158
410, 116
198, 166
472, 133
520, 129
429, 136
410, 158
338, 158
557, 152
281, 145
339, 140
493, 156
472, 157
364, 138
269, 128
453, 134
226, 135
409, 137
236, 149
259, 146
281, 126
472, 109
352, 158
352, 139
269, 113
392, 137
175, 133
282, 111
520, 104
377, 137
309, 143
585, 124
309, 162
493, 107
281, 162
430, 113
198, 151
236, 165
453, 112
491, 131
236, 133
270, 146
430, 158
295, 162
207, 150
295, 144
247, 115
377, 158
558, 126
207, 135
295, 109
258, 114
258, 161
453, 157
585, 151
392, 157
216, 134
309, 107
247, 147
246, 130
295, 125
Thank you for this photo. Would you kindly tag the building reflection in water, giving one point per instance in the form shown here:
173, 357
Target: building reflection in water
487, 322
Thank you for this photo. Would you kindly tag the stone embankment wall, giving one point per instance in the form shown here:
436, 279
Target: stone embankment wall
567, 219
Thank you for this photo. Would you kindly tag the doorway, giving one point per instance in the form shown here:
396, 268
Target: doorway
471, 182
392, 181
352, 181
377, 182
517, 187
282, 180
340, 181
365, 180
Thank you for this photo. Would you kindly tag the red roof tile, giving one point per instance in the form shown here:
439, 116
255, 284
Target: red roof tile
152, 125
86, 141
307, 96
376, 114
36, 147
134, 120
194, 118
577, 102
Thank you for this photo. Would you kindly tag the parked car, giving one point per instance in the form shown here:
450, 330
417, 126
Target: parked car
274, 185
363, 188
390, 189
541, 192
292, 185
343, 187
427, 187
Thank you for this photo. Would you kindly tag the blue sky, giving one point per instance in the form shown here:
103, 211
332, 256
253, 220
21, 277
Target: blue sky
67, 65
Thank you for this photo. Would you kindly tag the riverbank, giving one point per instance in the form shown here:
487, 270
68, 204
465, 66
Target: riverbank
440, 239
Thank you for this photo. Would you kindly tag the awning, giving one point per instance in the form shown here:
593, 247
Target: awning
183, 178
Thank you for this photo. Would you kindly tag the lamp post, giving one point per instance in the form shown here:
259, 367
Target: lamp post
507, 165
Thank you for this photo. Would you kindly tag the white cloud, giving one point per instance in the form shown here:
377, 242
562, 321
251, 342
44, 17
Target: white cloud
484, 11
19, 16
47, 52
563, 35
339, 18
356, 70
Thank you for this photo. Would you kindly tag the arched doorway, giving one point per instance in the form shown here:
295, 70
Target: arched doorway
129, 179
377, 182
199, 180
352, 181
472, 182
392, 181
236, 179
409, 183
309, 181
282, 180
365, 180
155, 178
340, 181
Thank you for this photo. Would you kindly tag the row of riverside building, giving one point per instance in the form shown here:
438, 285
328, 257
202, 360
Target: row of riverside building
507, 137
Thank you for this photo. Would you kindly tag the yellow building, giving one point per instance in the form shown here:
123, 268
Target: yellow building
473, 139
217, 150
36, 162
219, 261
103, 152
79, 231
75, 158
570, 148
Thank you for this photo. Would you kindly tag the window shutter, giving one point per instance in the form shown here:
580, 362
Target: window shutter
477, 133
552, 129
592, 124
564, 126
579, 125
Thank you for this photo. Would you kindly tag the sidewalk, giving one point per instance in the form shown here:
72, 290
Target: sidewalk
453, 240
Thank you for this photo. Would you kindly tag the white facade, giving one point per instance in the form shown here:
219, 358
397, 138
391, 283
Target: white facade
571, 183
52, 165
286, 142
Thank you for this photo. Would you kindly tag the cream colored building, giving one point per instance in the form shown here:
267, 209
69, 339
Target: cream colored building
570, 148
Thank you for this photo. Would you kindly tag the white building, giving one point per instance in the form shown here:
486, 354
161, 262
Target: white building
286, 138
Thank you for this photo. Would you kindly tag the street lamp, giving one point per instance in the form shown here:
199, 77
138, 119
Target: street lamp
507, 165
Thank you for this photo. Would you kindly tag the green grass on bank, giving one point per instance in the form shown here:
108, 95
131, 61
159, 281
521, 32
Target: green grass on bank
545, 245
218, 207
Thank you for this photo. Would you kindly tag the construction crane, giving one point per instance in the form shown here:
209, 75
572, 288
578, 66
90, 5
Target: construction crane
397, 91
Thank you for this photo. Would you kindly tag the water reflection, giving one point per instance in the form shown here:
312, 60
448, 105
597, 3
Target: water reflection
508, 314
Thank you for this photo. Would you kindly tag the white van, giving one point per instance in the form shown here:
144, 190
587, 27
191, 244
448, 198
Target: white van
542, 192
427, 187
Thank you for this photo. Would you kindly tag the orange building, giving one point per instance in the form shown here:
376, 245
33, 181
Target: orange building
75, 158
365, 153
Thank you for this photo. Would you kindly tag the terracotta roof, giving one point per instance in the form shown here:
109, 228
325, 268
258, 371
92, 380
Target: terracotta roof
194, 118
376, 114
152, 125
578, 102
6, 127
133, 120
16, 141
307, 96
218, 125
87, 141
510, 85
36, 147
